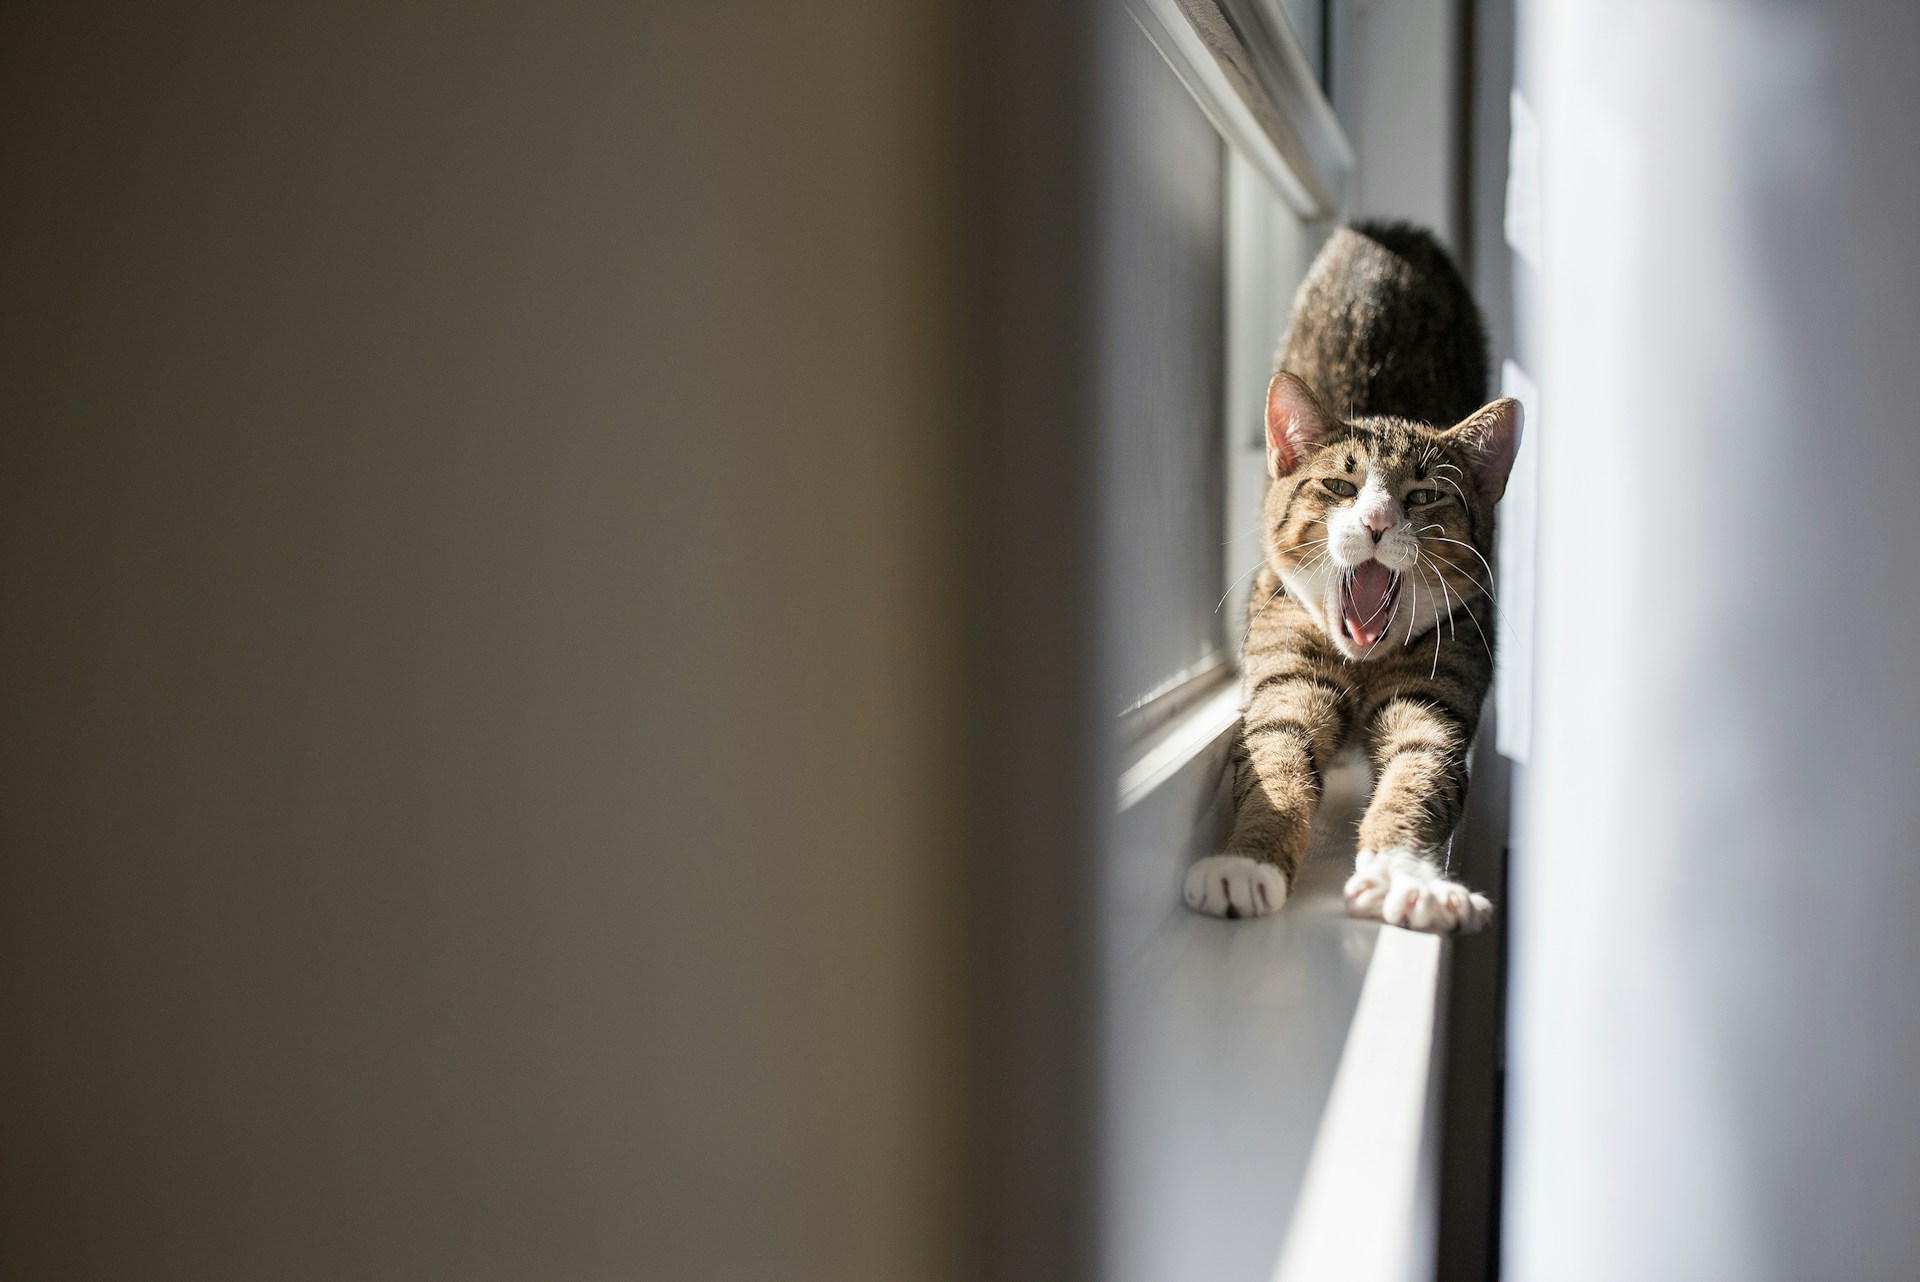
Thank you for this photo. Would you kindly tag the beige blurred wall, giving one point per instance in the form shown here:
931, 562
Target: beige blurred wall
477, 613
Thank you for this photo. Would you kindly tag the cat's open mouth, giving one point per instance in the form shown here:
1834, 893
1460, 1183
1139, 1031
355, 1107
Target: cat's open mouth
1367, 595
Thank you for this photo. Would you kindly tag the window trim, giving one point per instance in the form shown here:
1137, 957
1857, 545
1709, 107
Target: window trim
1242, 63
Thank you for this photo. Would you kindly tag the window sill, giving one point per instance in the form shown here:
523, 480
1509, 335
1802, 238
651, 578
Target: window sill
1269, 1083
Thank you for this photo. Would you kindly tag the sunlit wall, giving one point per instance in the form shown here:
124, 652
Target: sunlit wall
1715, 1054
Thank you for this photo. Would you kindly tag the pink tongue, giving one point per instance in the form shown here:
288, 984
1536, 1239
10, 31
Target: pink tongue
1364, 601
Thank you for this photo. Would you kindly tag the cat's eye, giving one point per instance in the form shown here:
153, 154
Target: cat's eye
1420, 498
1345, 489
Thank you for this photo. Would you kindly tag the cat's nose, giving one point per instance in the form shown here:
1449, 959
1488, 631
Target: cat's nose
1378, 522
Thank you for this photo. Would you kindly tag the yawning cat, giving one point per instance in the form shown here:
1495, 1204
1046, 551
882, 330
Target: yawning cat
1371, 617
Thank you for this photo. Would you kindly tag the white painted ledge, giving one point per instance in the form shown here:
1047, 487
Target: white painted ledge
1359, 1216
1268, 1082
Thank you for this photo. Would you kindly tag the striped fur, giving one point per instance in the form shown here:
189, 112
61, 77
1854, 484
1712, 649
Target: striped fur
1436, 466
1414, 703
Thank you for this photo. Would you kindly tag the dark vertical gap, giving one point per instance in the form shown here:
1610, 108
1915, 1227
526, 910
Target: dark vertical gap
1326, 48
1493, 58
1465, 118
1498, 1165
1470, 1103
1469, 1229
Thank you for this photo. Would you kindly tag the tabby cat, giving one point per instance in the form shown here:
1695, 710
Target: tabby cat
1371, 617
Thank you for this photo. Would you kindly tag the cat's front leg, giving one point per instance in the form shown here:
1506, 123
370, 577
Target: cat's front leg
1276, 788
1419, 754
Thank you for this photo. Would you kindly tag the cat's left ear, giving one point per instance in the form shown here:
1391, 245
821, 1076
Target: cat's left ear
1490, 437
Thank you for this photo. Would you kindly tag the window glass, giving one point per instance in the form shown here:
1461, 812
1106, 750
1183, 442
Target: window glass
1162, 316
1309, 21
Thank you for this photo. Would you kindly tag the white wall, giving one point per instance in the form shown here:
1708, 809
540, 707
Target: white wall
1396, 87
1715, 1054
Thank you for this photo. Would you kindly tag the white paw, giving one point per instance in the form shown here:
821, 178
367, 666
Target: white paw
1403, 887
1235, 886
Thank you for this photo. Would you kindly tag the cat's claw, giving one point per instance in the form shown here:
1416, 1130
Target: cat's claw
1404, 887
1235, 886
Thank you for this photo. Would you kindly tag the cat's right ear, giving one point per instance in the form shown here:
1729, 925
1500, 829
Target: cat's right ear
1295, 423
